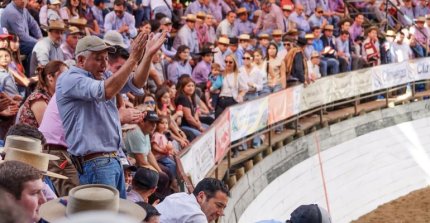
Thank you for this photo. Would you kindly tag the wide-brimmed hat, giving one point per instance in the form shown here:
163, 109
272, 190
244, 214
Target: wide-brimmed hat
56, 25
315, 54
241, 11
77, 22
292, 31
73, 30
329, 27
277, 32
205, 51
190, 17
309, 36
91, 43
54, 2
287, 8
264, 36
371, 28
224, 40
390, 33
244, 37
25, 143
201, 15
114, 38
90, 197
38, 160
420, 19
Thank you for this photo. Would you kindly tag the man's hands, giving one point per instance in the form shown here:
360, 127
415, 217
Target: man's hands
138, 47
130, 115
155, 41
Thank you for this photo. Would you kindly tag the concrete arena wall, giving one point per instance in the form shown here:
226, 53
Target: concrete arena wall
362, 170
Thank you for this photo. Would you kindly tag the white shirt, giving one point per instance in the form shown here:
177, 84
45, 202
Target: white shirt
157, 3
231, 85
181, 208
313, 69
401, 52
255, 77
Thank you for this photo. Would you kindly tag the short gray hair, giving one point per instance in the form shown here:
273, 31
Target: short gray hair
85, 54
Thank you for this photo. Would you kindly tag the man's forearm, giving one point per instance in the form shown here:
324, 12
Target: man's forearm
116, 82
142, 71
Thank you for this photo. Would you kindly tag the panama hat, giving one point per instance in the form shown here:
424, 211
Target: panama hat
25, 143
38, 160
56, 25
244, 37
277, 32
78, 22
390, 33
241, 11
264, 36
224, 40
190, 18
114, 38
90, 197
201, 15
287, 8
309, 36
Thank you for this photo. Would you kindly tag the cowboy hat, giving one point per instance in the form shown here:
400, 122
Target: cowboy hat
38, 160
224, 40
78, 22
244, 37
56, 25
241, 11
25, 143
90, 197
190, 17
277, 32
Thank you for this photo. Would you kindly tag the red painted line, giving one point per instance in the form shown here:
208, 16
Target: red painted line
317, 141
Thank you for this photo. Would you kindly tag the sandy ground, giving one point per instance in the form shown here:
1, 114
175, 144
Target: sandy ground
411, 208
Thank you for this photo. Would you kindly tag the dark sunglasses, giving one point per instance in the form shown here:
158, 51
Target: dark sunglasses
228, 61
149, 102
320, 12
246, 58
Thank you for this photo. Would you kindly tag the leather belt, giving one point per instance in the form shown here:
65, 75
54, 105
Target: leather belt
55, 147
98, 155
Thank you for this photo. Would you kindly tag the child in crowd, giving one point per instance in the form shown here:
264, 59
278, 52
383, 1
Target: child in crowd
162, 148
7, 82
54, 10
313, 66
214, 85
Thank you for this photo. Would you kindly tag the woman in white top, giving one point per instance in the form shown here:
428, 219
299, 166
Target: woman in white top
261, 64
234, 86
254, 76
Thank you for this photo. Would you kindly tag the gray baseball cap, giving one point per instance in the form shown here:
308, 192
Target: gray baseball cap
91, 43
114, 38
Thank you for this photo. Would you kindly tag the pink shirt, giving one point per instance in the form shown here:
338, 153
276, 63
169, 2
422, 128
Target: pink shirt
51, 126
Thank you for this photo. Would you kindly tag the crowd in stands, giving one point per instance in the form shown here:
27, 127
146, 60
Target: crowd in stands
111, 91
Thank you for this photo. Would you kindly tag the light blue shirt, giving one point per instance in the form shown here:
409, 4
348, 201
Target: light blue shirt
241, 27
301, 23
187, 37
315, 21
196, 7
7, 83
44, 51
343, 46
98, 15
91, 122
177, 69
113, 22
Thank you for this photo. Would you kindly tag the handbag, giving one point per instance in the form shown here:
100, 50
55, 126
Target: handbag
175, 18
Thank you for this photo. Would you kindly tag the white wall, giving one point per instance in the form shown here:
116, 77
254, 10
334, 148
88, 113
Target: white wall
361, 174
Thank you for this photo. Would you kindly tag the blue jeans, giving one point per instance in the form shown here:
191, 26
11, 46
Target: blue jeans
169, 163
104, 170
195, 131
332, 65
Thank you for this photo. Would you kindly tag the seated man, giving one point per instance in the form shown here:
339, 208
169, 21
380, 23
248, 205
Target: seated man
143, 185
25, 184
205, 204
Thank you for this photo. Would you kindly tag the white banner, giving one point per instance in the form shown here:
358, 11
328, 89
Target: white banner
315, 94
201, 157
341, 87
362, 81
391, 75
249, 117
420, 69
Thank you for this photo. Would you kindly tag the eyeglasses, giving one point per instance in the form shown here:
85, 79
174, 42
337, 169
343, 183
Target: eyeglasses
320, 12
149, 103
228, 61
246, 58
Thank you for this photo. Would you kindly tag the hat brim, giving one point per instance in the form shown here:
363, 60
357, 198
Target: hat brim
6, 36
54, 210
51, 157
110, 43
56, 28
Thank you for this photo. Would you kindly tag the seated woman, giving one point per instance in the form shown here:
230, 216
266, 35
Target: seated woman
166, 108
180, 64
234, 86
34, 107
187, 99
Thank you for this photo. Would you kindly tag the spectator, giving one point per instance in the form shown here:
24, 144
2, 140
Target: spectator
161, 7
421, 9
226, 26
313, 67
70, 10
209, 21
253, 75
78, 93
222, 51
152, 215
138, 145
356, 29
198, 6
180, 64
244, 40
205, 204
276, 76
406, 13
299, 19
371, 47
310, 213
203, 68
309, 7
420, 32
317, 19
202, 29
287, 23
18, 20
328, 65
73, 34
343, 51
35, 105
242, 25
25, 184
263, 44
330, 50
270, 19
309, 48
121, 21
144, 184
187, 35
296, 65
6, 79
261, 64
48, 48
167, 48
218, 8
234, 86
401, 50
99, 12
16, 68
187, 99
53, 12
86, 12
